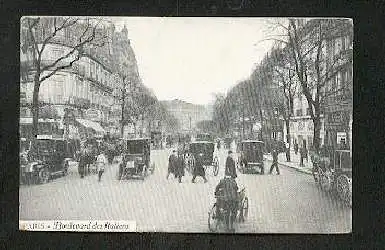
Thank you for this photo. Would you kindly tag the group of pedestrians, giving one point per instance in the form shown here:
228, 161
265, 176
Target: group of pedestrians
176, 165
90, 156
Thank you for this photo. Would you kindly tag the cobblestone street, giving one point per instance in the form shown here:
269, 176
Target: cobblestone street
286, 203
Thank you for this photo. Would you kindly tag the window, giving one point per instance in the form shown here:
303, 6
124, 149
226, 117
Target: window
343, 43
67, 34
301, 125
310, 126
349, 75
338, 80
334, 83
82, 69
308, 111
338, 46
92, 69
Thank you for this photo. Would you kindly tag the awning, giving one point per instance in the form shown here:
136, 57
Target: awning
90, 124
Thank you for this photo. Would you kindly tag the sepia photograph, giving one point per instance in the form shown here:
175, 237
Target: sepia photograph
186, 124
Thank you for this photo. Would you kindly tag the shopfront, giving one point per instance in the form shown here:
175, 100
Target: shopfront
338, 129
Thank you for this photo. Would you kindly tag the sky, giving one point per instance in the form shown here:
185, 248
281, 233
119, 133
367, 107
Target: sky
193, 58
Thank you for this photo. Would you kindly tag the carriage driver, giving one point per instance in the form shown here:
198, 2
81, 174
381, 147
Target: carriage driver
226, 193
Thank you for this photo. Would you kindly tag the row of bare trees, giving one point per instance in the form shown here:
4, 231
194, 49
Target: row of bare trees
302, 61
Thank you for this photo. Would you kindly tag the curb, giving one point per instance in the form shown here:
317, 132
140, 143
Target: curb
298, 169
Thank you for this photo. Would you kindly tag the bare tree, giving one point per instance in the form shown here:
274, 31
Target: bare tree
37, 33
307, 41
284, 78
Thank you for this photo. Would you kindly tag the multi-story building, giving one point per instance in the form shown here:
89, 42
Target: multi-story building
87, 89
339, 89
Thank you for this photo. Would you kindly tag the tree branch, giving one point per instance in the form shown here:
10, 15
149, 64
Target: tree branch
34, 43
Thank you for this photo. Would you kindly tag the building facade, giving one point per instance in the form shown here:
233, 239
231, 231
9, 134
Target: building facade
89, 90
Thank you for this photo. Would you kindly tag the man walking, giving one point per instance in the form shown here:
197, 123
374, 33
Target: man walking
171, 163
230, 165
302, 153
83, 161
287, 151
295, 147
101, 161
199, 171
275, 161
179, 167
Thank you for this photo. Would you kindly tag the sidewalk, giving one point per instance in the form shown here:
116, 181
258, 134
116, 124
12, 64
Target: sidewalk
294, 162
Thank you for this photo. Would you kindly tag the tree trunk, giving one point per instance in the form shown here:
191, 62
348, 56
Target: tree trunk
287, 121
316, 132
142, 126
260, 114
35, 107
122, 117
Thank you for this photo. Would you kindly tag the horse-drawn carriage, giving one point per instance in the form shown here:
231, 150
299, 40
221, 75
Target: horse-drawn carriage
202, 154
334, 173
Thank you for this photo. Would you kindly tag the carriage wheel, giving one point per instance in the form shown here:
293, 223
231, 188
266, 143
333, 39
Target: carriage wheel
216, 166
349, 199
65, 169
213, 219
325, 182
244, 209
344, 190
44, 176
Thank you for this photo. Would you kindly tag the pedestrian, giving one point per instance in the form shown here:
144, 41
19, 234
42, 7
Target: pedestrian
296, 147
101, 161
198, 171
179, 167
306, 154
226, 193
230, 165
82, 163
302, 154
287, 151
171, 163
275, 161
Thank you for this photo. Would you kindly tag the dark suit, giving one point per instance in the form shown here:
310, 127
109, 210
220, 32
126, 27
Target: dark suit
230, 167
179, 167
171, 164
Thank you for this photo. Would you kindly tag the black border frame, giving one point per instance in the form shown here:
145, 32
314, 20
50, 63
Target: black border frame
367, 193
